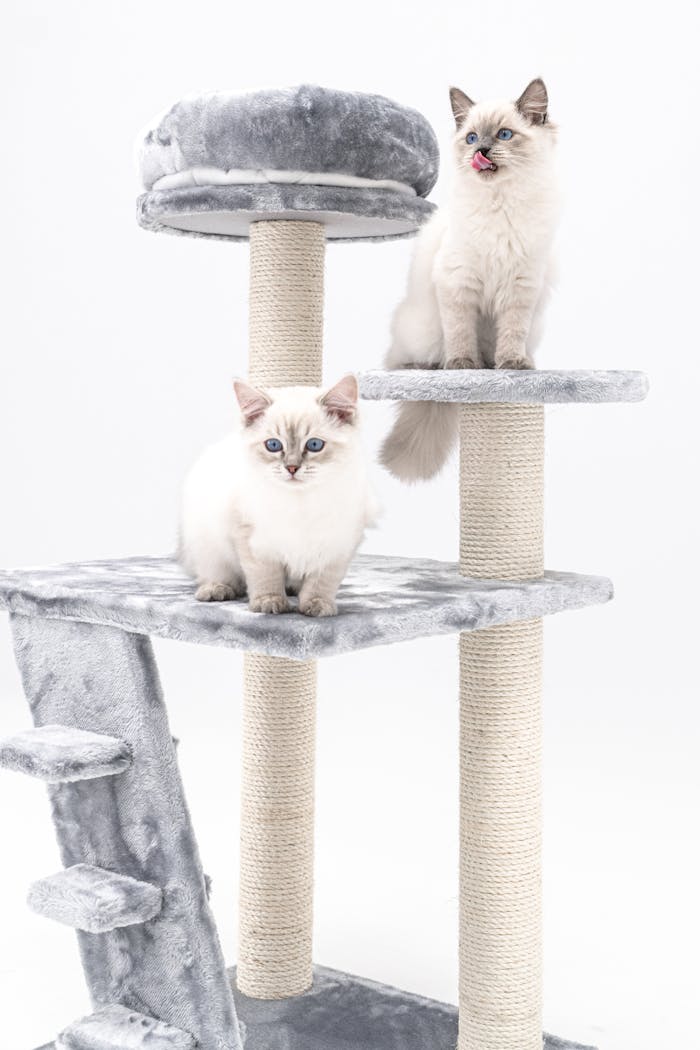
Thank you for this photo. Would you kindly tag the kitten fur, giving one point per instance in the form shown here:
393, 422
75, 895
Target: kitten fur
481, 269
271, 523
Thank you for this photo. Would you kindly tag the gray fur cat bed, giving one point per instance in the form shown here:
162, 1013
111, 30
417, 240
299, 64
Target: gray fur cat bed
361, 164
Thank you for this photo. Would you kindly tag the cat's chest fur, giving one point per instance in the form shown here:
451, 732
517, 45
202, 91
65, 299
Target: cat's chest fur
491, 243
304, 528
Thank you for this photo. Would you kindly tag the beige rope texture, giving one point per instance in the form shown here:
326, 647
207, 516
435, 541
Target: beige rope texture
277, 815
500, 944
286, 303
501, 484
276, 895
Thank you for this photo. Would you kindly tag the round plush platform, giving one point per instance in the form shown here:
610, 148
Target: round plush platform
360, 164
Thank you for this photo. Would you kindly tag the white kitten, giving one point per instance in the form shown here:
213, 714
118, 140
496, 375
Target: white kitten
481, 269
282, 503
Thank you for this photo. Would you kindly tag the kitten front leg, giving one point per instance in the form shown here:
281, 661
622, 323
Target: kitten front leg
512, 329
265, 581
459, 313
318, 590
266, 588
265, 578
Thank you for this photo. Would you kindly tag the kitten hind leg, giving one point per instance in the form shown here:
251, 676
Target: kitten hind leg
210, 591
215, 567
416, 334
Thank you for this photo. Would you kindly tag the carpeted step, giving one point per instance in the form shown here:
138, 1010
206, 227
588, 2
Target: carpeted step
117, 1028
94, 899
62, 754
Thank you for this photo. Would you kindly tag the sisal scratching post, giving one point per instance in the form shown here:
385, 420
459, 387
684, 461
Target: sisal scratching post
501, 536
277, 818
286, 303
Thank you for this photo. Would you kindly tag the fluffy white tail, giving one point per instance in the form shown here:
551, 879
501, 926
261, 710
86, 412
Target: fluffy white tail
420, 440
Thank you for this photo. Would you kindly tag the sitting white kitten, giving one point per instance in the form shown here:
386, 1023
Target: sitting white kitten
480, 273
282, 503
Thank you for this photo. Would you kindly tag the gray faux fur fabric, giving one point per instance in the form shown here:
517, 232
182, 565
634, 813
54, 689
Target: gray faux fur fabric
93, 899
115, 1026
496, 385
341, 1012
61, 754
382, 600
306, 128
226, 212
170, 967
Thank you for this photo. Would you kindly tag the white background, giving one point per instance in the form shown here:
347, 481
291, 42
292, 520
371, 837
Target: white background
118, 348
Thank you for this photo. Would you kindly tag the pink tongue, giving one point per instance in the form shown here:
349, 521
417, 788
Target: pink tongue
480, 162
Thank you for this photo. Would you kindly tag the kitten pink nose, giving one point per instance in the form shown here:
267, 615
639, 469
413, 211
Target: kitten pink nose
292, 468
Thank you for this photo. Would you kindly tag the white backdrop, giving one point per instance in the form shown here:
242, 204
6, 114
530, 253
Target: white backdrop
117, 352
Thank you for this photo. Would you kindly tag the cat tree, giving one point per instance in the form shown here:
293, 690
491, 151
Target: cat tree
290, 170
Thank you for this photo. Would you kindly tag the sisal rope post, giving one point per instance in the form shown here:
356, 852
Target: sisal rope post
286, 303
279, 706
501, 536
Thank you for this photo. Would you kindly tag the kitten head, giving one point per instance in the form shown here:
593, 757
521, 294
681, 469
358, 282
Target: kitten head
502, 140
296, 434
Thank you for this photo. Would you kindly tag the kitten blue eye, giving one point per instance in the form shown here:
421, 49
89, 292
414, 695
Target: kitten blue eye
472, 137
505, 133
315, 444
273, 445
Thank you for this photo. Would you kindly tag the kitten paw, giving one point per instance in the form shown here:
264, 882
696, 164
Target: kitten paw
515, 361
216, 592
462, 362
318, 607
269, 603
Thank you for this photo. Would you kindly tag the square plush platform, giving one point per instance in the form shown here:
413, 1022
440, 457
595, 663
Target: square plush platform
383, 600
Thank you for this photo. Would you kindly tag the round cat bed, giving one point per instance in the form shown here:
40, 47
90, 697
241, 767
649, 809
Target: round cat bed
360, 164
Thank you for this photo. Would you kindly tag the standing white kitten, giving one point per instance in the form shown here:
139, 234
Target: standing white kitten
282, 503
480, 272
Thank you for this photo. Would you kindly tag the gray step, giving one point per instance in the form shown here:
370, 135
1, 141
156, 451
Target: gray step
63, 754
117, 1028
94, 900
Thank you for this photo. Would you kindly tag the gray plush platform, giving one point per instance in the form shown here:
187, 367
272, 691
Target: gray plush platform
350, 1013
226, 212
382, 600
495, 385
279, 140
340, 1012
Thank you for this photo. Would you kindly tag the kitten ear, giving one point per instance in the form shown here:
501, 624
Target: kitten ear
252, 402
461, 104
341, 400
533, 102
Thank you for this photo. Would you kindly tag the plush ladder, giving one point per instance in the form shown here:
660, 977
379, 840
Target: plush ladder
290, 170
